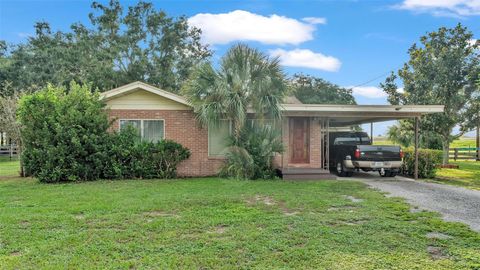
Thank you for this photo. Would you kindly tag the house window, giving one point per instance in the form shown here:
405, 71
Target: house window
149, 130
269, 123
218, 138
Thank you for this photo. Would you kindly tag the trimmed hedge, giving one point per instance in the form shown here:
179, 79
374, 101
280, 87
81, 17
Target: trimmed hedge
428, 160
66, 138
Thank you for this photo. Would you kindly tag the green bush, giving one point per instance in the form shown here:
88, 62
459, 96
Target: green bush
126, 156
66, 138
428, 160
251, 156
63, 133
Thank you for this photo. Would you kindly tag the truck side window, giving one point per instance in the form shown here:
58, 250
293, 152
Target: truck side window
365, 140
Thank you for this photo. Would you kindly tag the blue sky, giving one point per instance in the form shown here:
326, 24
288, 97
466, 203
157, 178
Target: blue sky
349, 43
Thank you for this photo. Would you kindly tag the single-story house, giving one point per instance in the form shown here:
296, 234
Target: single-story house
159, 114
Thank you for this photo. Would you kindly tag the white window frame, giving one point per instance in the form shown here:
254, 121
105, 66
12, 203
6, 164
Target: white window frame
141, 125
208, 138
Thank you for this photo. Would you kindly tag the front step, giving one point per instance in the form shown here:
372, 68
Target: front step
306, 174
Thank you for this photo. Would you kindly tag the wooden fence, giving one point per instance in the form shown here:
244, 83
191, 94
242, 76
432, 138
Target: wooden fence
8, 150
464, 153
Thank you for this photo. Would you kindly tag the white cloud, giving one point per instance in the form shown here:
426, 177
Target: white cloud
240, 25
368, 91
472, 42
452, 8
315, 20
306, 58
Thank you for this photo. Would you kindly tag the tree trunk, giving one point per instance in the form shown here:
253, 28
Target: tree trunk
19, 156
446, 149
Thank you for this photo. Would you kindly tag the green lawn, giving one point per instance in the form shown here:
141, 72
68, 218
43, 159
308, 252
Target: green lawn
468, 174
215, 223
9, 168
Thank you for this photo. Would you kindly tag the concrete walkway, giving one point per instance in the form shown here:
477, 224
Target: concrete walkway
454, 203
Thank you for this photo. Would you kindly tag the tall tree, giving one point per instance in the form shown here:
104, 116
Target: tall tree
247, 79
138, 44
312, 90
442, 70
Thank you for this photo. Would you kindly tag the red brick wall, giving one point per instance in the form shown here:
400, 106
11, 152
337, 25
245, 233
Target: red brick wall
181, 127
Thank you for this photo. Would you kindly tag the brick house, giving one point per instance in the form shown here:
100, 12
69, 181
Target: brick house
159, 114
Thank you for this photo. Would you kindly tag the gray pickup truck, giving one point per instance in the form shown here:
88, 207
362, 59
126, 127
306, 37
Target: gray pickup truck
353, 151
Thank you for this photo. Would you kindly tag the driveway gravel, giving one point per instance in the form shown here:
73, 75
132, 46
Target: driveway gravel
453, 203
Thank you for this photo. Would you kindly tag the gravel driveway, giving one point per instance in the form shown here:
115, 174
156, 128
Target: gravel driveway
454, 203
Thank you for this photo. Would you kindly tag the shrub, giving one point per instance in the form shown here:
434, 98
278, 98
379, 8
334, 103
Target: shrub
126, 156
427, 162
251, 156
63, 133
239, 164
66, 139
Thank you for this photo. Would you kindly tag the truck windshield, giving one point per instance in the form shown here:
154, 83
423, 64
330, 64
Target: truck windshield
346, 141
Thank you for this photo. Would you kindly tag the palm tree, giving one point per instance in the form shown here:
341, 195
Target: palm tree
247, 80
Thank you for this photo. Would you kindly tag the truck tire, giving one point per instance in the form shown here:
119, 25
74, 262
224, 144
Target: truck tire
388, 173
340, 169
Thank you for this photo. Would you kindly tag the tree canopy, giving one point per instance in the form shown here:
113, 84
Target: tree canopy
312, 90
122, 46
443, 69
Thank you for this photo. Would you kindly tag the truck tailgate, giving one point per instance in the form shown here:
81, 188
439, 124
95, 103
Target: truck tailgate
379, 152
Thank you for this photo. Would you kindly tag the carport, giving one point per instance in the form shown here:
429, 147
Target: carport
306, 127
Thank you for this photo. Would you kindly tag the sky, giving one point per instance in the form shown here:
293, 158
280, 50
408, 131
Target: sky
350, 43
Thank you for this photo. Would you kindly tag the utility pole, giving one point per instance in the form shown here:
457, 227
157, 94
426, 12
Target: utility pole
415, 174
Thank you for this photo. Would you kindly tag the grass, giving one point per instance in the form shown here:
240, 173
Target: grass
9, 167
468, 174
463, 142
222, 224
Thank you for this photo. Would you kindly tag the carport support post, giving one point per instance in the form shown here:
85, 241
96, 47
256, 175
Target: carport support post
371, 132
416, 148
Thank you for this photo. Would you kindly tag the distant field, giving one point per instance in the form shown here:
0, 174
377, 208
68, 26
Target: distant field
462, 142
381, 140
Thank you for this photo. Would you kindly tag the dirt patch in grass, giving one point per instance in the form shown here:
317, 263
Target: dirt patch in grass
159, 213
269, 201
438, 235
220, 229
261, 199
79, 216
15, 253
437, 253
353, 222
353, 199
24, 223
